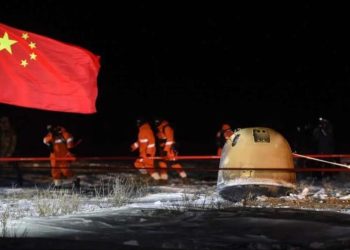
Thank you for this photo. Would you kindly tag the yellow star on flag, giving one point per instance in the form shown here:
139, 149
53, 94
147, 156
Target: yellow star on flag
25, 36
32, 45
6, 43
24, 63
33, 56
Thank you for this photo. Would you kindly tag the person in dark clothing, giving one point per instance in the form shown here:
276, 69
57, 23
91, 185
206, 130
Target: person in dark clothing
303, 143
303, 139
8, 143
324, 138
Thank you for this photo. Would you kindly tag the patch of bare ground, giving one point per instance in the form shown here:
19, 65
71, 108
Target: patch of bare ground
330, 203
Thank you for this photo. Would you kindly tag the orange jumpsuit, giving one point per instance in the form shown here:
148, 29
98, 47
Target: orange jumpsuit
146, 145
61, 143
166, 142
221, 136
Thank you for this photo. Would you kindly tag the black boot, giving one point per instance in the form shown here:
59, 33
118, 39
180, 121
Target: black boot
185, 181
76, 183
163, 182
57, 187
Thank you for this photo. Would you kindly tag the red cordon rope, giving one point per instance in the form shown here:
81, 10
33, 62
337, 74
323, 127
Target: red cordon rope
103, 158
323, 155
315, 157
127, 158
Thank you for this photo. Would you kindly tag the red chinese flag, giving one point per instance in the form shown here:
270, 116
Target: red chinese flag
39, 72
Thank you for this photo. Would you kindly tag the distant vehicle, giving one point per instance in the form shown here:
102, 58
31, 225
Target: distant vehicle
256, 147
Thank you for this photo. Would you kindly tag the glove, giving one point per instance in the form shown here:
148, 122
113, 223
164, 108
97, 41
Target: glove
141, 159
167, 149
134, 146
70, 154
50, 147
170, 156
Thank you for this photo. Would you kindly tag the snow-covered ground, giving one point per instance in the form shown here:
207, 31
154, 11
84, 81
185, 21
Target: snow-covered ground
174, 216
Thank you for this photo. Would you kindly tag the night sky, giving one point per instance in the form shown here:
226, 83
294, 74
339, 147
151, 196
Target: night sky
198, 65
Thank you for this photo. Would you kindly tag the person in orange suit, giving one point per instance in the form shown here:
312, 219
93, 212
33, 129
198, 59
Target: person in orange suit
60, 141
166, 145
221, 136
146, 145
